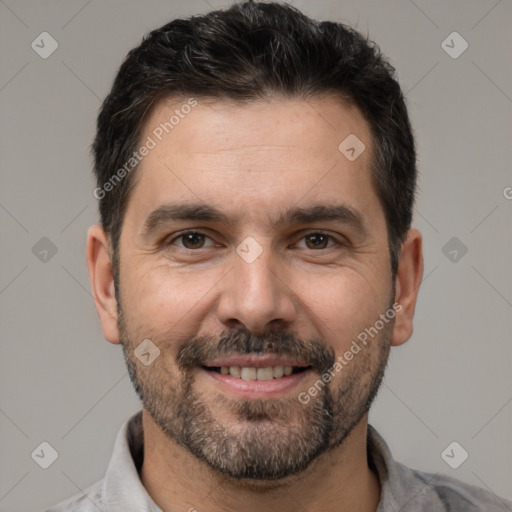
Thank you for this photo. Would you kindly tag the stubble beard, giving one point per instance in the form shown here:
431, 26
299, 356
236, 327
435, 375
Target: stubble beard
268, 440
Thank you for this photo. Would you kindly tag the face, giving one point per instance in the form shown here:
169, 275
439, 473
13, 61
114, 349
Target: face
253, 254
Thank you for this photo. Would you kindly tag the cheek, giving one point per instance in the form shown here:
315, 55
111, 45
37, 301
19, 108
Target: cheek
162, 302
342, 306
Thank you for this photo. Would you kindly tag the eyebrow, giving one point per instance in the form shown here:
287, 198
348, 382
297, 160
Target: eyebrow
172, 212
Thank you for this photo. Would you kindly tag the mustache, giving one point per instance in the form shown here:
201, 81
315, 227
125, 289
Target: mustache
200, 349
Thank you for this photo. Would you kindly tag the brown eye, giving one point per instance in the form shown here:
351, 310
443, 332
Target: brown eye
317, 241
191, 240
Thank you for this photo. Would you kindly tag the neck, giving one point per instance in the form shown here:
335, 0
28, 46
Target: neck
337, 480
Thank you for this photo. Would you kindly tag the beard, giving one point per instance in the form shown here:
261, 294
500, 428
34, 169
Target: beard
263, 440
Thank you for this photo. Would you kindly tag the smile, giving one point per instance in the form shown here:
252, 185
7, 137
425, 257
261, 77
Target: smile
254, 373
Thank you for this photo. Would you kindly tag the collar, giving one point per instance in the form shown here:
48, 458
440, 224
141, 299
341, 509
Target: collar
123, 491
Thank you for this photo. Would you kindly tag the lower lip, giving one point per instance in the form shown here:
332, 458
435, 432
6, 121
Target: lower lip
256, 388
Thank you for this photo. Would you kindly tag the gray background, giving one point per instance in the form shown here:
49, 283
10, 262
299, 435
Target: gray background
61, 382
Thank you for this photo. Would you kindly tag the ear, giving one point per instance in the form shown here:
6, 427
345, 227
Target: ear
102, 281
408, 280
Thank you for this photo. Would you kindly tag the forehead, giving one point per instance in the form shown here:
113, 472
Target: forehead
314, 124
282, 150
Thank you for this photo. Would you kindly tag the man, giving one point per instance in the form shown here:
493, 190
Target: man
256, 177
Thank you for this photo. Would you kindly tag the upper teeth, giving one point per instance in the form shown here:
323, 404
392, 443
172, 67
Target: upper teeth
248, 373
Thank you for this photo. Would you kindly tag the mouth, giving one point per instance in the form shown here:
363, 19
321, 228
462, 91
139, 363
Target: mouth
256, 376
257, 373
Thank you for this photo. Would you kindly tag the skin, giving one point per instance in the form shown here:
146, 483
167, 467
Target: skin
252, 161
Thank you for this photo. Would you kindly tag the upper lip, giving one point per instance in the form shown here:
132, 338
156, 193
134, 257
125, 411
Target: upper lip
255, 361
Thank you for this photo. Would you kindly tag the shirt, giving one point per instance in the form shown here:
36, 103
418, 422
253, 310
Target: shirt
402, 489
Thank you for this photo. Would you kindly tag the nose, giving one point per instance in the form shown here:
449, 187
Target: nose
256, 294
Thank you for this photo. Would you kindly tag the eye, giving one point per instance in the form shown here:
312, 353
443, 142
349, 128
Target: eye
318, 240
191, 240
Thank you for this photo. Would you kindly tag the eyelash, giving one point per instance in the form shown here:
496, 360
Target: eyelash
189, 232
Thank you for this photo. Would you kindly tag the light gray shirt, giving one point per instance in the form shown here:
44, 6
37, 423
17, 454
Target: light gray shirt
402, 489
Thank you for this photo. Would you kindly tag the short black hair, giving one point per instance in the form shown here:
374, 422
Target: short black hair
252, 51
